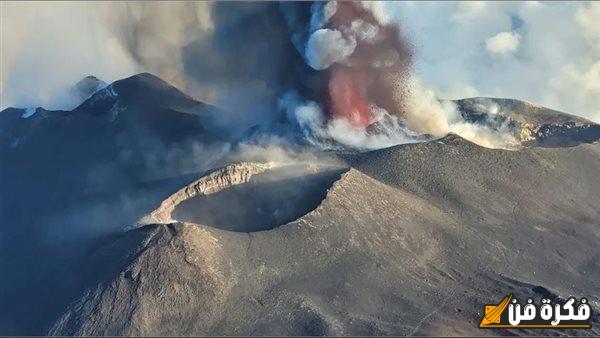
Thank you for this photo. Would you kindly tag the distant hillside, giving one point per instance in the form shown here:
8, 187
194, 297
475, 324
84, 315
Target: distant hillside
533, 125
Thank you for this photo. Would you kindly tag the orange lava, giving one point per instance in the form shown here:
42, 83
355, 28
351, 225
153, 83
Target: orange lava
347, 97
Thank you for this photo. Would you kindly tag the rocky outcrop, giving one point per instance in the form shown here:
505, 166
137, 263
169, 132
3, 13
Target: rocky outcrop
530, 124
218, 180
559, 135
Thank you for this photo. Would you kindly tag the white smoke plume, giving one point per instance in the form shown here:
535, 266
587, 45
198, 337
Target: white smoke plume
48, 47
425, 113
339, 133
236, 57
328, 46
412, 109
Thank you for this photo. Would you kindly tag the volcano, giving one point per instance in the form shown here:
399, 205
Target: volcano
64, 174
407, 240
128, 239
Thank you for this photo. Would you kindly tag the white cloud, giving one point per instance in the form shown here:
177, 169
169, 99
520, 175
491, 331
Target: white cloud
468, 10
533, 4
588, 18
503, 43
585, 79
553, 35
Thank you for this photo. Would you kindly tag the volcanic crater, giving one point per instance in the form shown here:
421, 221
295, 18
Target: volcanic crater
248, 197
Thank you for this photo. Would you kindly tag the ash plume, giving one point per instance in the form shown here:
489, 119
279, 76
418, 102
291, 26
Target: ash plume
365, 64
331, 74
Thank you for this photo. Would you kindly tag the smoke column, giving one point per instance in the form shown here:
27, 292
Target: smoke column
334, 74
356, 81
363, 65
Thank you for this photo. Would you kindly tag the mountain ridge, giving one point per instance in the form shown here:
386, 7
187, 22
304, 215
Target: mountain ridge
443, 248
378, 248
531, 124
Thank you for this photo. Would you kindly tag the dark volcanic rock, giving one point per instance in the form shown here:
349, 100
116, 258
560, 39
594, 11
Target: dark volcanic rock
531, 124
413, 239
68, 176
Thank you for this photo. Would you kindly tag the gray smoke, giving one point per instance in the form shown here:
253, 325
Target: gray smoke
250, 58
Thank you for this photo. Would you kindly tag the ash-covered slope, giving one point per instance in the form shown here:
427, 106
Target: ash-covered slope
138, 106
371, 258
122, 138
66, 176
412, 239
123, 135
532, 125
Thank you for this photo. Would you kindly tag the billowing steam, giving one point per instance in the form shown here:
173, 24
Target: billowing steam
365, 64
338, 73
426, 114
372, 100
